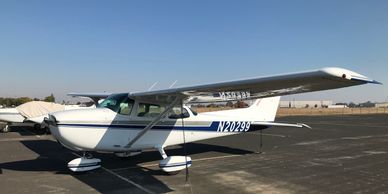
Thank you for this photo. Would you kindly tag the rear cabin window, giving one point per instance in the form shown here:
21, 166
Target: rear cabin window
176, 113
149, 110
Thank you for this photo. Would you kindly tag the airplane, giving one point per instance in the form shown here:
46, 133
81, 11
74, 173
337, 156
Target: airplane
127, 123
32, 112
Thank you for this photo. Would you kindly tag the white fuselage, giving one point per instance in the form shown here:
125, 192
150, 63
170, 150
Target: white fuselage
98, 135
103, 130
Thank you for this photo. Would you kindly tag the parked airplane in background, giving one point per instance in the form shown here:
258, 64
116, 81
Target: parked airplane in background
33, 112
127, 123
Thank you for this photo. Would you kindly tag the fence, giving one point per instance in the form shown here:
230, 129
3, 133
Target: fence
330, 111
316, 111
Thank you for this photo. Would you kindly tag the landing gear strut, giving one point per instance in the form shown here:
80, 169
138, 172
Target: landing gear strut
5, 129
85, 163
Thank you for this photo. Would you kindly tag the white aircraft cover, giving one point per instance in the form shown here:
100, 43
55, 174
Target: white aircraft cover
39, 108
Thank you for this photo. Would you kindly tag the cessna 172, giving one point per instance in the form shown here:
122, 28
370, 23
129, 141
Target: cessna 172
127, 123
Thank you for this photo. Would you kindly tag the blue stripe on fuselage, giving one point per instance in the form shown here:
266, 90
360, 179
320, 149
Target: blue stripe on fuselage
212, 127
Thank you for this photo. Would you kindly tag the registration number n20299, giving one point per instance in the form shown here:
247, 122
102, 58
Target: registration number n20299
233, 126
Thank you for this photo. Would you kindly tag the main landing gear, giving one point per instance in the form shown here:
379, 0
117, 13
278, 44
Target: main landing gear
170, 164
173, 164
5, 129
84, 163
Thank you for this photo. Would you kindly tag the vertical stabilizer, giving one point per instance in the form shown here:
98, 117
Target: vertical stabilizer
264, 109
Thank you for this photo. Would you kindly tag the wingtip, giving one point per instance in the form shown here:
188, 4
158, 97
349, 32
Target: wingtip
348, 74
376, 82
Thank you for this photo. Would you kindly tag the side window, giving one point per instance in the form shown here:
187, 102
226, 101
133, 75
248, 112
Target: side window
177, 114
149, 110
125, 107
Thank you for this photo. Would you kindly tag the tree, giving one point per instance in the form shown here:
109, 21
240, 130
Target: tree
352, 105
23, 100
50, 98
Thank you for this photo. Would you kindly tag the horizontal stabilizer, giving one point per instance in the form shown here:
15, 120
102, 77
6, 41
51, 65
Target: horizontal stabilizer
270, 124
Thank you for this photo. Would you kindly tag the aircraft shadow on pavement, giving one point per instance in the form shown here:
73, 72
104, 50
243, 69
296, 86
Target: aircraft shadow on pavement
54, 158
27, 130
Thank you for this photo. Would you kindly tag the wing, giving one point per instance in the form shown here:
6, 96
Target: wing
94, 96
278, 85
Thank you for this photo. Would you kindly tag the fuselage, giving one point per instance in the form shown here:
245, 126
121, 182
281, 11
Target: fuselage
112, 132
103, 129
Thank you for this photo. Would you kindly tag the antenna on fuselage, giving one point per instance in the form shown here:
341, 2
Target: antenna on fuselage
153, 85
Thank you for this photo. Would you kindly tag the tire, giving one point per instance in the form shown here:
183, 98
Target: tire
37, 127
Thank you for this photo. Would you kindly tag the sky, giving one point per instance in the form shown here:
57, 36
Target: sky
124, 46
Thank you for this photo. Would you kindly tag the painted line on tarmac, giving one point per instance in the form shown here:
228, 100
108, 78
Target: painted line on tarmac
128, 181
122, 178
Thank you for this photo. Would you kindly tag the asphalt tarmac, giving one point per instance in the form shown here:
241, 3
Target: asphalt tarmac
341, 154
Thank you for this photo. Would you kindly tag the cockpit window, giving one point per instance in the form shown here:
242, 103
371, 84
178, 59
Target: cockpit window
119, 103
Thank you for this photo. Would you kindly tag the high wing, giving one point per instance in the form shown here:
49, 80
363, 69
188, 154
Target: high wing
94, 96
278, 85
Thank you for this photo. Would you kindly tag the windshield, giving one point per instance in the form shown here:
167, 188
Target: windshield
119, 103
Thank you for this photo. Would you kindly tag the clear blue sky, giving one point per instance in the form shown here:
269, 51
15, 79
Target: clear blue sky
93, 46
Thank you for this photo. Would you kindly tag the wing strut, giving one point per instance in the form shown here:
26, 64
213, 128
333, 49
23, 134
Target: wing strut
153, 122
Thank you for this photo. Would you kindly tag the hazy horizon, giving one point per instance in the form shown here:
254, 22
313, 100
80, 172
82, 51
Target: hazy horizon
124, 46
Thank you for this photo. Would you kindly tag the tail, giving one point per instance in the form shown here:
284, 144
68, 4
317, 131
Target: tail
264, 109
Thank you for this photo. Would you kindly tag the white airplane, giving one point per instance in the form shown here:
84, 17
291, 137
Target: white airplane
127, 123
33, 112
